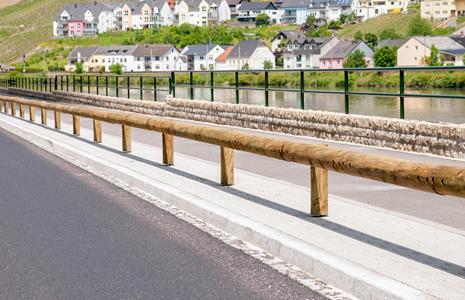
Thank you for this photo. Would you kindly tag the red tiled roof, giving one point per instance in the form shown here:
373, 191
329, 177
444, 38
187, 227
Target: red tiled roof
225, 54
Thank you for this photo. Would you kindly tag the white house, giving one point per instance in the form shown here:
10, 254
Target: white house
306, 54
295, 11
367, 9
219, 11
330, 10
280, 41
194, 12
248, 11
79, 55
202, 57
251, 54
106, 19
155, 58
163, 12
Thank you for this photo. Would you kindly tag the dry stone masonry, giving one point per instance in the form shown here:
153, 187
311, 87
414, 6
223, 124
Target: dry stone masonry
417, 136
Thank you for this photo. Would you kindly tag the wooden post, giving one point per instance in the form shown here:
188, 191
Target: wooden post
57, 120
76, 125
168, 149
227, 166
5, 106
21, 111
13, 108
97, 131
43, 116
32, 113
126, 137
319, 191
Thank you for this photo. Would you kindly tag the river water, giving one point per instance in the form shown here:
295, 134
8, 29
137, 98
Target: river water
416, 108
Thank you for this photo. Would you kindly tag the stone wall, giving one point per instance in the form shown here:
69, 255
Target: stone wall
416, 136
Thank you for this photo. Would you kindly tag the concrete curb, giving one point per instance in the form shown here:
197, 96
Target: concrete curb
343, 274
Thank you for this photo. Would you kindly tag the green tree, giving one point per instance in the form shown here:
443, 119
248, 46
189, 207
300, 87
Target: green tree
370, 39
117, 69
356, 60
267, 65
389, 33
79, 68
386, 57
101, 69
358, 36
419, 26
434, 59
262, 19
310, 21
245, 66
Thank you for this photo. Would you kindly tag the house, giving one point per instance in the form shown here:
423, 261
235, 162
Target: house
306, 54
220, 11
105, 57
6, 68
295, 11
441, 10
416, 49
233, 5
163, 12
79, 55
336, 57
181, 63
118, 16
154, 58
280, 41
391, 43
367, 9
202, 57
330, 10
248, 11
194, 12
137, 15
251, 54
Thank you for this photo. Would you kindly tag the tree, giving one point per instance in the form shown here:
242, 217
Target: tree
117, 69
245, 66
386, 57
262, 19
79, 68
101, 69
358, 36
434, 58
310, 22
356, 60
389, 33
267, 64
419, 26
370, 39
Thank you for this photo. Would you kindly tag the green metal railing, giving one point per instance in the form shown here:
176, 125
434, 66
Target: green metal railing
167, 82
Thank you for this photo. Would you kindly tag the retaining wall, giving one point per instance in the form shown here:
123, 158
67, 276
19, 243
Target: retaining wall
417, 136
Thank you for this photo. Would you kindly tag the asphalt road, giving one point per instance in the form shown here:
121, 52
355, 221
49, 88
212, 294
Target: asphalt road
445, 210
66, 234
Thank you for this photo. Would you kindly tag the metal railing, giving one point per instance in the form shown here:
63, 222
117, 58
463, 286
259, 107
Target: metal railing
444, 180
168, 82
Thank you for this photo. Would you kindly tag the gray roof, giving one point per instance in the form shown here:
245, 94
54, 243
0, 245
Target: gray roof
295, 3
292, 36
151, 50
333, 3
84, 52
116, 50
391, 43
341, 50
77, 10
257, 5
201, 49
443, 43
245, 48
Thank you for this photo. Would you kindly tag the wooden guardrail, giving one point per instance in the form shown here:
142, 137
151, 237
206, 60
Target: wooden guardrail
444, 180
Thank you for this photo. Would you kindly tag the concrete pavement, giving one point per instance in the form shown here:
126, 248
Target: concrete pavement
67, 234
362, 249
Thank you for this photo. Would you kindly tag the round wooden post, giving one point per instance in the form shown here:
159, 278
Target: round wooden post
21, 111
43, 116
32, 113
318, 191
97, 131
168, 149
13, 108
126, 137
76, 125
227, 166
57, 120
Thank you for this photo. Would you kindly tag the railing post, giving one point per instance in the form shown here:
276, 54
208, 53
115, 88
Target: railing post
141, 88
88, 84
346, 91
106, 85
32, 113
117, 86
97, 131
43, 116
401, 93
191, 83
5, 106
56, 82
97, 87
61, 82
173, 83
128, 86
57, 119
237, 86
67, 83
50, 80
267, 100
302, 90
13, 108
318, 191
227, 166
21, 111
80, 84
155, 89
76, 125
74, 83
168, 149
40, 83
212, 84
126, 138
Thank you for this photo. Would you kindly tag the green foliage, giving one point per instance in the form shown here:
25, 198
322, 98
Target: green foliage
371, 40
434, 58
262, 19
101, 69
389, 33
245, 66
386, 57
358, 36
267, 65
79, 68
355, 60
310, 21
419, 26
116, 69
443, 31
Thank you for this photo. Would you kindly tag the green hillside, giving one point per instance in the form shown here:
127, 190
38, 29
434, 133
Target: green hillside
25, 25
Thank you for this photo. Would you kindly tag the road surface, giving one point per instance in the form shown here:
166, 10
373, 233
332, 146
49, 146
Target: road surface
66, 234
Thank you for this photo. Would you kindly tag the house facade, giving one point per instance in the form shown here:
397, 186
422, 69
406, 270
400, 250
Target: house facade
150, 58
337, 55
441, 10
248, 11
295, 11
202, 57
306, 54
251, 54
367, 9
